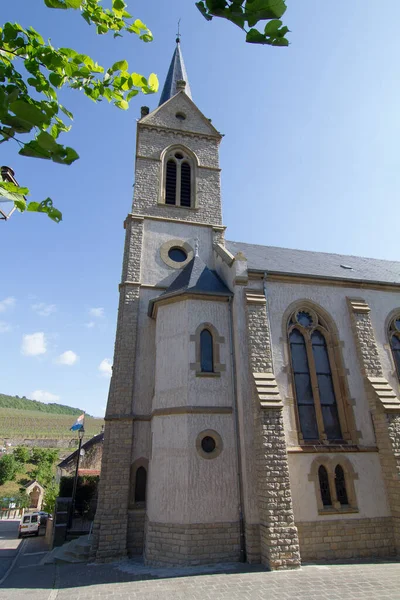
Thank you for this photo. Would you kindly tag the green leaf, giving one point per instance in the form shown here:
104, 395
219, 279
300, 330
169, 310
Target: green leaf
66, 112
153, 82
55, 4
121, 65
46, 207
34, 150
28, 112
122, 104
138, 23
118, 5
272, 27
255, 37
46, 141
202, 8
56, 79
74, 3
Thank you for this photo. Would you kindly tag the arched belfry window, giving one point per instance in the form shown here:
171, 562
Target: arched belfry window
319, 403
394, 339
206, 351
334, 485
179, 178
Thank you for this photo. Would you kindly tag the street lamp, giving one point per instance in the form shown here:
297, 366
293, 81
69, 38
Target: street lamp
81, 433
8, 175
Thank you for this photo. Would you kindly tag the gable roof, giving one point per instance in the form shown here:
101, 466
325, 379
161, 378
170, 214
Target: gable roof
317, 264
96, 439
31, 483
195, 278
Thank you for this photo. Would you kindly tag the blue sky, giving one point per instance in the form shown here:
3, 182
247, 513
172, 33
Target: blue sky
310, 150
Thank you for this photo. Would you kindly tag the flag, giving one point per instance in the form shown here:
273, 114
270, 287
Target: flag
78, 423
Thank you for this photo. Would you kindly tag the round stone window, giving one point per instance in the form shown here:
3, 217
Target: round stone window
209, 444
177, 254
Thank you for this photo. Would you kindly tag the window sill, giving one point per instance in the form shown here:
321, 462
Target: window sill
202, 374
338, 511
321, 448
178, 206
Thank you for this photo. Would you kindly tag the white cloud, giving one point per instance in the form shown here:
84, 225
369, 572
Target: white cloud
90, 324
34, 344
42, 396
4, 327
7, 303
67, 358
105, 367
44, 310
98, 313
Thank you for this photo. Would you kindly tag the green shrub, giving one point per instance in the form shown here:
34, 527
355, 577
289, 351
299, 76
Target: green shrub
22, 454
8, 468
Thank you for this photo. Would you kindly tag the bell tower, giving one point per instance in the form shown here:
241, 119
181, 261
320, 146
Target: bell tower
159, 400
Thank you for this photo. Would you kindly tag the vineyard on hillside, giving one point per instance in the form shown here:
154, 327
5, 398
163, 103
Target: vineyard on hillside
32, 424
26, 404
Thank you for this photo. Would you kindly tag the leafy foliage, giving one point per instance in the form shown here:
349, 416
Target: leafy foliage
30, 106
50, 495
26, 404
20, 500
86, 493
44, 460
21, 454
246, 14
8, 468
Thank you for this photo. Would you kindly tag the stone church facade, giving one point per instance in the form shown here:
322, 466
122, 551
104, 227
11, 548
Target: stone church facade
254, 410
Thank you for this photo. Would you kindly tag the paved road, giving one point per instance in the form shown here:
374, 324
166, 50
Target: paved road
29, 580
9, 544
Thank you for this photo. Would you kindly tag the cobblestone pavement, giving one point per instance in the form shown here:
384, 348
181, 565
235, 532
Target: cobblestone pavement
130, 581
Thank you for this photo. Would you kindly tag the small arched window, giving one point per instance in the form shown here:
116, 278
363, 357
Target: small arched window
179, 179
340, 485
206, 351
324, 486
316, 390
394, 338
140, 485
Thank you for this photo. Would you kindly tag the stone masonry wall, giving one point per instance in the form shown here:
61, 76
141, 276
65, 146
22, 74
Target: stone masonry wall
346, 538
111, 521
136, 525
198, 544
279, 546
386, 423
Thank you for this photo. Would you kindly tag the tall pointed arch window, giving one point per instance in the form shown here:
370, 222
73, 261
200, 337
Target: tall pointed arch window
394, 339
179, 179
319, 403
206, 351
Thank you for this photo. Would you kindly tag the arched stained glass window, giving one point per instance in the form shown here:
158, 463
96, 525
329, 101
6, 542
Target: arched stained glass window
316, 383
302, 380
394, 337
206, 352
340, 484
140, 485
327, 397
185, 184
324, 486
170, 183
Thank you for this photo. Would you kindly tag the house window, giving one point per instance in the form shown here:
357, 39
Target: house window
334, 485
340, 485
140, 485
206, 351
179, 178
316, 384
394, 338
324, 486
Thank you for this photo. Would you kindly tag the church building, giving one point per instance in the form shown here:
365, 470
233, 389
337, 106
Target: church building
254, 411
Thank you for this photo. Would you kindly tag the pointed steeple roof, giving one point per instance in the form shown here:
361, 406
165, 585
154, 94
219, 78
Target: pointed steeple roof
195, 278
176, 72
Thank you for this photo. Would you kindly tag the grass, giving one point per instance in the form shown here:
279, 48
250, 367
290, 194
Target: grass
32, 424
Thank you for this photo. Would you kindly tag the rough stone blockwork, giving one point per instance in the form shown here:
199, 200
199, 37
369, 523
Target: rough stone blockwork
136, 524
110, 527
346, 538
200, 544
278, 533
386, 424
253, 552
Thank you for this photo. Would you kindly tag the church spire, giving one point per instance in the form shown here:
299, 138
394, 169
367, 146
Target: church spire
176, 72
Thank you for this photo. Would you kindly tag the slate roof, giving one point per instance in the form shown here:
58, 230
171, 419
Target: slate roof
195, 278
176, 72
318, 264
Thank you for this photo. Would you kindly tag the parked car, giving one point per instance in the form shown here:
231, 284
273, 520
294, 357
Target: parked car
29, 524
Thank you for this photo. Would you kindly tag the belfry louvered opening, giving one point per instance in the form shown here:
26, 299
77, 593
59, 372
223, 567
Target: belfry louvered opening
179, 179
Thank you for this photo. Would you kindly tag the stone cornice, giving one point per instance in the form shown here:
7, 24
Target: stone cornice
176, 132
138, 217
258, 274
385, 393
173, 410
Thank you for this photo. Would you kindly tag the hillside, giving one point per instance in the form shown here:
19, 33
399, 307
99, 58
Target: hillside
26, 404
35, 424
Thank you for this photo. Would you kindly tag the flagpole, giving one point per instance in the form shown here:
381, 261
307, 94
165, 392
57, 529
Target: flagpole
81, 432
